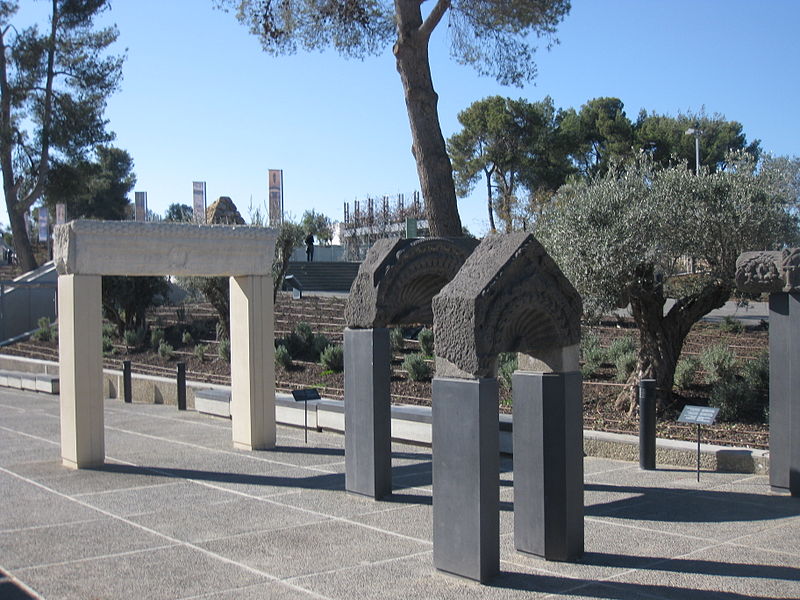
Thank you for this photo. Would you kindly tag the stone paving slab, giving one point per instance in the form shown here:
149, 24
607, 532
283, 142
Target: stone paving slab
177, 513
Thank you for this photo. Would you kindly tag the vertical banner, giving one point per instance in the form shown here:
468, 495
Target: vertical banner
44, 224
140, 206
61, 213
275, 197
199, 201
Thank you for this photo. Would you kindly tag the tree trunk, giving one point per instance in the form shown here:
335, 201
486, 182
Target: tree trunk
488, 175
428, 145
662, 336
22, 243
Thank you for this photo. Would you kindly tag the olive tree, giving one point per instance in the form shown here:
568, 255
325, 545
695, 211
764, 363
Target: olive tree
620, 238
493, 36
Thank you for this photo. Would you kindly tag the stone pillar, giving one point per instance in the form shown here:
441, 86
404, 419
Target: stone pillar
466, 477
367, 416
252, 362
784, 387
81, 370
548, 464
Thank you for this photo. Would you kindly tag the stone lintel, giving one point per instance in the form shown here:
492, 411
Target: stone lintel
768, 271
399, 278
509, 296
134, 248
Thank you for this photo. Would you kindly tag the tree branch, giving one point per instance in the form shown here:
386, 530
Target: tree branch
434, 18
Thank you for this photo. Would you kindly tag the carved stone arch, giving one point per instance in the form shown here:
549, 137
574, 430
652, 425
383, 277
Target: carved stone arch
509, 296
399, 278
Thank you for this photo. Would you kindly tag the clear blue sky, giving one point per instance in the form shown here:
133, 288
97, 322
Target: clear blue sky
201, 101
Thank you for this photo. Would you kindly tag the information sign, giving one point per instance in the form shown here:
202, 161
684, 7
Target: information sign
701, 415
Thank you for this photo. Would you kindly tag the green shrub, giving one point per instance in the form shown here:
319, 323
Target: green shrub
593, 355
318, 345
506, 365
396, 339
186, 338
686, 371
200, 352
719, 363
109, 330
156, 337
282, 357
224, 350
294, 344
303, 330
425, 339
134, 338
418, 368
108, 345
45, 332
625, 364
332, 358
738, 401
731, 325
165, 350
620, 347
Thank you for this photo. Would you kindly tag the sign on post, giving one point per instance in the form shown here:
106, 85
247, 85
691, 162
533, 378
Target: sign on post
61, 213
699, 415
304, 396
44, 224
140, 206
199, 201
275, 197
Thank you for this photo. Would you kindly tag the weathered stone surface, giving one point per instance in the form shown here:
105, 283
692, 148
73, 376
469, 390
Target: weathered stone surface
224, 212
509, 296
399, 277
769, 271
137, 248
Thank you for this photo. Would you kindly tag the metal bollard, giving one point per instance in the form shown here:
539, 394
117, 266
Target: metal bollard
127, 393
647, 424
181, 386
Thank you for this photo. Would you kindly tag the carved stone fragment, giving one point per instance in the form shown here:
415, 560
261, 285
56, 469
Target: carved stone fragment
509, 296
768, 271
399, 277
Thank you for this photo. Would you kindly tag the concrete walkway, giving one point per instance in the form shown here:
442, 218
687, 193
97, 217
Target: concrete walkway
177, 513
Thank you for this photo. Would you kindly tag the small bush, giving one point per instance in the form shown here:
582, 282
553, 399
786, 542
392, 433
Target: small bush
506, 365
45, 332
738, 401
625, 365
686, 371
620, 347
224, 350
186, 338
166, 350
220, 331
294, 344
303, 330
731, 325
200, 352
593, 355
282, 357
332, 358
425, 338
318, 346
109, 330
756, 374
396, 340
108, 345
719, 363
418, 368
134, 338
156, 337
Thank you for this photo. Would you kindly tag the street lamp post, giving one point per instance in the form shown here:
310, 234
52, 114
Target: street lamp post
696, 133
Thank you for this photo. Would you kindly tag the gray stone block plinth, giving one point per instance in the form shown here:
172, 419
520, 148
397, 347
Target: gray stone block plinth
548, 465
466, 479
367, 416
784, 384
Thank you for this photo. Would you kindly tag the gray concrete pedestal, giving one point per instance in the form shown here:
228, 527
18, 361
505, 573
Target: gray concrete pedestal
784, 387
548, 464
466, 477
367, 412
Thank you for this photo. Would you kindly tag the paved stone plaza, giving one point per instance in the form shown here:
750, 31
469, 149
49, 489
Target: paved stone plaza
176, 512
